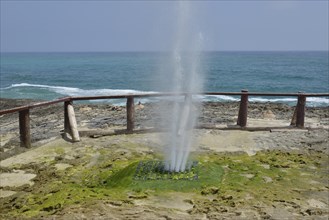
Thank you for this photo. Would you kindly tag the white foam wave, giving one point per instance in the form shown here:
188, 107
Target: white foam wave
311, 101
318, 100
71, 91
273, 100
220, 98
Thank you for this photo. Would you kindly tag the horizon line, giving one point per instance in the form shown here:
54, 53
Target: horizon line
159, 51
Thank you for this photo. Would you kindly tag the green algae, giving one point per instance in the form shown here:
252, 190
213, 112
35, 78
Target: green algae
267, 176
247, 176
210, 174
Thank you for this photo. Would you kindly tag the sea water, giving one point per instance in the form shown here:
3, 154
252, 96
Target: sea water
52, 75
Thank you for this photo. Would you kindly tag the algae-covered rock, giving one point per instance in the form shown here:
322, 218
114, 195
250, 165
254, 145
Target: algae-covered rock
210, 190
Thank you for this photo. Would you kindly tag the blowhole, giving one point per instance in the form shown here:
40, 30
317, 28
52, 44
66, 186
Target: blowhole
156, 170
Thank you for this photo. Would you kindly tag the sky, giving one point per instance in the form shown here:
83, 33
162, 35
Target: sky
54, 26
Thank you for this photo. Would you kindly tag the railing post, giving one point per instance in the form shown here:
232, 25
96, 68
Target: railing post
243, 110
24, 128
300, 110
66, 117
70, 122
299, 113
130, 114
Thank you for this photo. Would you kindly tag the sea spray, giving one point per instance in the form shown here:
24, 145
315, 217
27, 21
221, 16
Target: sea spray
185, 78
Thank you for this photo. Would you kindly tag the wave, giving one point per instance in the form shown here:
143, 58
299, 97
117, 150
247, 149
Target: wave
72, 91
318, 100
220, 98
311, 101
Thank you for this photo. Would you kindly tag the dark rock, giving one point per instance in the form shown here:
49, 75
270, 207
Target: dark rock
313, 212
210, 190
227, 197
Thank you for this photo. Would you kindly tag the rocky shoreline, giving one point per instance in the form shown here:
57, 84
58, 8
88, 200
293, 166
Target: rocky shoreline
281, 173
48, 122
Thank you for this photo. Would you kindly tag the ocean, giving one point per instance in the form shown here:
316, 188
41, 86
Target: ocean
49, 76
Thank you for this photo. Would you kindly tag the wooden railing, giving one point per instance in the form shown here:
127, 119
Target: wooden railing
70, 124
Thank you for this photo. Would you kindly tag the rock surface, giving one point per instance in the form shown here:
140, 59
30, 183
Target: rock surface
53, 164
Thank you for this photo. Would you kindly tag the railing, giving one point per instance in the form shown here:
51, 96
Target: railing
70, 124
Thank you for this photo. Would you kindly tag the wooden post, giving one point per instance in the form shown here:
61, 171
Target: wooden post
300, 118
299, 113
72, 123
66, 117
24, 128
243, 110
130, 114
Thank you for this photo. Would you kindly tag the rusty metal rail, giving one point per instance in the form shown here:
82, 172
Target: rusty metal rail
70, 121
35, 105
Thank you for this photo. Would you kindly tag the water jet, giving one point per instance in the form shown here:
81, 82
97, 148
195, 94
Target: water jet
184, 74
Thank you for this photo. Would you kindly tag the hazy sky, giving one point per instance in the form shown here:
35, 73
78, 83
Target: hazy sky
149, 25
